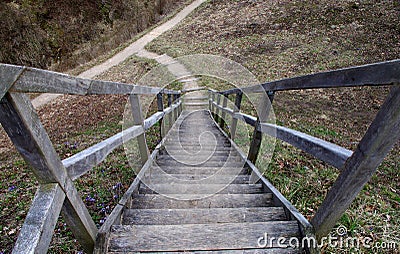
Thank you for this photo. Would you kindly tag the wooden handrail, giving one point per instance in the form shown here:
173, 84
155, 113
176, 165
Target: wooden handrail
21, 79
56, 193
356, 168
377, 74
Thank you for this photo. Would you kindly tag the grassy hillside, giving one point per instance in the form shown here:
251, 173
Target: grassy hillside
64, 34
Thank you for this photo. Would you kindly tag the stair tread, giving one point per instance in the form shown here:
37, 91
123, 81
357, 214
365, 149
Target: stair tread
193, 188
202, 215
193, 178
239, 251
184, 201
219, 236
199, 170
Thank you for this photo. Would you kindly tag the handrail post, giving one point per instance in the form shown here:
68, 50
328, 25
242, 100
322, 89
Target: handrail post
160, 107
180, 108
176, 109
377, 142
21, 122
169, 117
236, 109
217, 117
223, 115
257, 134
138, 120
212, 103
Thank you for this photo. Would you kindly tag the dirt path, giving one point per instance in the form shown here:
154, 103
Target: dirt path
136, 48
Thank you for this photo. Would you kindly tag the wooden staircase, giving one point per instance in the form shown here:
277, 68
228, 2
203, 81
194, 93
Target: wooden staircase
196, 197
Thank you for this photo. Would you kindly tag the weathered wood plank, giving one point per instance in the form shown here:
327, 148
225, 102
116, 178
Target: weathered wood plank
203, 170
223, 109
193, 188
80, 163
379, 139
35, 80
223, 114
202, 216
250, 120
330, 153
168, 111
197, 178
218, 108
78, 218
376, 74
23, 126
247, 251
236, 109
182, 201
263, 114
214, 164
137, 115
8, 75
152, 120
193, 89
192, 104
37, 231
198, 237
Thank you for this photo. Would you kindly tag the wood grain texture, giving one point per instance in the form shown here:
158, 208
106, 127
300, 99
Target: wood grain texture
223, 236
330, 153
196, 178
193, 188
34, 80
202, 216
37, 231
8, 75
241, 251
210, 170
379, 139
236, 109
155, 201
23, 126
137, 115
383, 73
80, 163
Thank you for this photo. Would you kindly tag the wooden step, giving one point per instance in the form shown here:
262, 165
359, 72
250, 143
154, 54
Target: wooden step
171, 188
178, 178
192, 152
199, 104
202, 216
203, 170
215, 164
194, 237
195, 148
156, 201
241, 251
200, 157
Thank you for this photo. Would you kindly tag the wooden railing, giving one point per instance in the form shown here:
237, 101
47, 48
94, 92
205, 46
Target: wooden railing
356, 167
57, 193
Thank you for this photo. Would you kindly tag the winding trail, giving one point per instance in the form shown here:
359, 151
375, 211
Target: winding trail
138, 48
